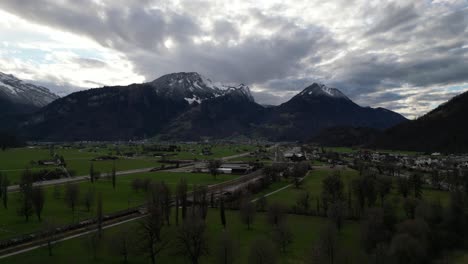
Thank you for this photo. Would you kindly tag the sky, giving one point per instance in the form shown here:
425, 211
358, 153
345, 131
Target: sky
405, 55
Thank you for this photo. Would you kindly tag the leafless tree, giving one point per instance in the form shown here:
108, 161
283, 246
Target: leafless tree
50, 229
26, 208
200, 198
283, 236
181, 193
326, 249
276, 213
121, 243
150, 231
262, 251
336, 212
298, 172
72, 194
303, 202
92, 244
191, 239
92, 173
262, 203
222, 213
99, 214
38, 200
213, 167
114, 176
88, 198
247, 212
226, 249
5, 183
166, 201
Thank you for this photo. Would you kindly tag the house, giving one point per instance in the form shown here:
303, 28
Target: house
49, 162
226, 168
236, 168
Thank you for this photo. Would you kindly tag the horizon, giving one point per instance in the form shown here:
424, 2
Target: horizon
253, 93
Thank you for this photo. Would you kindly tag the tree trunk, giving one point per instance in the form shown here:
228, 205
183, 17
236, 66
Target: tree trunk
49, 246
177, 212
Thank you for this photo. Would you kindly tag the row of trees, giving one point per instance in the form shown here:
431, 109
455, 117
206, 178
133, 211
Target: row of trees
189, 238
32, 198
95, 175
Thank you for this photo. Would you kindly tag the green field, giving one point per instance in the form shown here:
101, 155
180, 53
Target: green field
78, 159
312, 184
121, 198
340, 149
305, 230
14, 161
218, 151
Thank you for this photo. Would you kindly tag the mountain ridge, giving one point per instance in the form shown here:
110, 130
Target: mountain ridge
442, 129
22, 92
189, 106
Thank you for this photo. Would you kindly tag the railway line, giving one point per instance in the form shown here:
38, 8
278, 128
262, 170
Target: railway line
32, 241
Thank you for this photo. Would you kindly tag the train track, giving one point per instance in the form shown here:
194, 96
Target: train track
32, 241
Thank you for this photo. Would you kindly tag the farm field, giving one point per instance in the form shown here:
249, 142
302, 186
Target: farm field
79, 158
217, 151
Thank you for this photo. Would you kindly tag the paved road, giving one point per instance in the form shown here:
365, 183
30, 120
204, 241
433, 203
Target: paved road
15, 188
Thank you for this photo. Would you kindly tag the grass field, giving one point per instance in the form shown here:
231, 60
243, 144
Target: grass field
14, 161
113, 200
218, 151
340, 149
305, 230
312, 184
81, 167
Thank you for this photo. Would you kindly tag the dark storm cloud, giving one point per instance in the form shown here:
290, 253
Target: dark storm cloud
395, 16
140, 32
420, 45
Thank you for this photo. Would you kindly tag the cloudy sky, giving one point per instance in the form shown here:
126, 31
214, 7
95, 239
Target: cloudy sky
408, 56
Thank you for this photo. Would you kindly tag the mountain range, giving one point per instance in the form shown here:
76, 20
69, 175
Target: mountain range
18, 97
444, 129
188, 106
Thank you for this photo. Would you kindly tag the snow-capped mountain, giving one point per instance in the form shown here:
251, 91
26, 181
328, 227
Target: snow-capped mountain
320, 107
19, 92
318, 89
138, 110
188, 106
194, 87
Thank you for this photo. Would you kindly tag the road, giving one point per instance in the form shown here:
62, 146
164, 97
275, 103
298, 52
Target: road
15, 188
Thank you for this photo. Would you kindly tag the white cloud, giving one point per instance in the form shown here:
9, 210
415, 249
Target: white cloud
381, 53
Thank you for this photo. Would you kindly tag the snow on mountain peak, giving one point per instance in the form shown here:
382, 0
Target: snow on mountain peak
25, 93
318, 89
194, 87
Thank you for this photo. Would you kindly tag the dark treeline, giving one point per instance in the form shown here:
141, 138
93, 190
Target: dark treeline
9, 140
